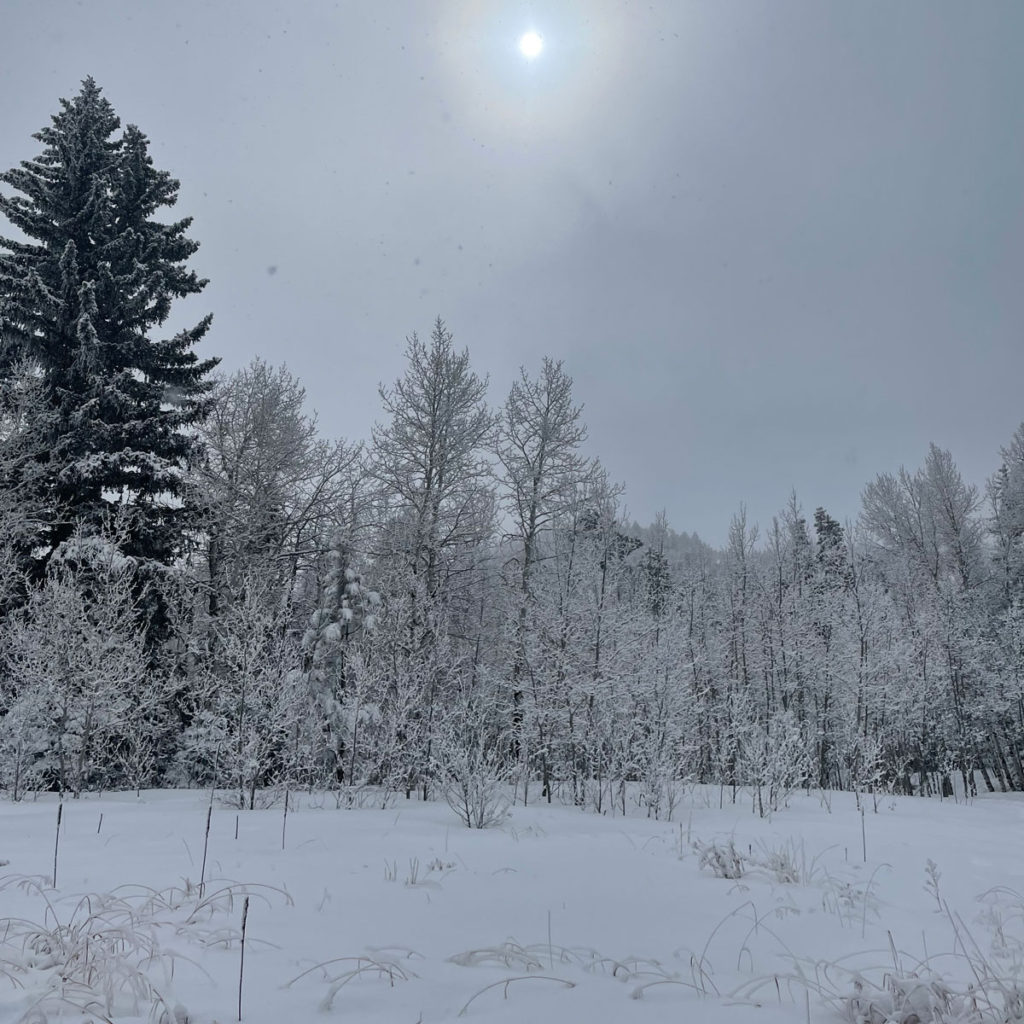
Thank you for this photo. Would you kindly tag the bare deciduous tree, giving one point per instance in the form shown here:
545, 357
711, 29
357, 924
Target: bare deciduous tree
273, 487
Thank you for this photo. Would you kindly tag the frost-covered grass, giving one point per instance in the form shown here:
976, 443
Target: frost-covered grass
404, 915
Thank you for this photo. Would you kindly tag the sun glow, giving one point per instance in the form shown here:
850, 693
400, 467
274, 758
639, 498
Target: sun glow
530, 45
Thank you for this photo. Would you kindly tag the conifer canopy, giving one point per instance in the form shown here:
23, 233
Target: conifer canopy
82, 291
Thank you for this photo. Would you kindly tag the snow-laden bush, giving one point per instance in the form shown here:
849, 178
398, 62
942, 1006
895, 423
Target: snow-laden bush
480, 801
78, 683
774, 759
475, 785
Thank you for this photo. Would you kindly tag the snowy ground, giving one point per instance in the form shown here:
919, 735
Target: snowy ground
419, 915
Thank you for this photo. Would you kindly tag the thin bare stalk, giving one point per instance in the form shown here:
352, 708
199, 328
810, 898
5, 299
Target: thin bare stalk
56, 841
206, 844
284, 820
241, 957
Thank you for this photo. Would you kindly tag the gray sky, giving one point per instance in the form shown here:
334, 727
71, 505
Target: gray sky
778, 244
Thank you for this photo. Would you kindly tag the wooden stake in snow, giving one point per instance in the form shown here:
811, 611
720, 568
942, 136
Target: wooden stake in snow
206, 835
863, 835
56, 841
284, 820
99, 825
206, 843
241, 958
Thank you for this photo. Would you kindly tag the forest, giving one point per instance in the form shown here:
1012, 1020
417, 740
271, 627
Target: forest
198, 589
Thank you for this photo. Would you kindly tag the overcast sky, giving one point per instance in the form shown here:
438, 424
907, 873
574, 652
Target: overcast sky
777, 244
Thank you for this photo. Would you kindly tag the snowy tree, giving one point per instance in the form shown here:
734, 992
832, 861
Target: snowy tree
436, 514
926, 536
574, 697
271, 486
540, 433
930, 518
344, 609
431, 461
23, 429
80, 300
1006, 497
250, 699
77, 682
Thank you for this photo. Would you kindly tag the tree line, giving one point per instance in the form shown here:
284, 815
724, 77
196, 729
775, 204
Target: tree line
197, 588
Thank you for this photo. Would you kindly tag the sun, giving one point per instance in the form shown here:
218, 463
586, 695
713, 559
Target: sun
530, 45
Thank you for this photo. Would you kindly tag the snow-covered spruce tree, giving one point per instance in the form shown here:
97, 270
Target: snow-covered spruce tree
23, 428
345, 608
81, 293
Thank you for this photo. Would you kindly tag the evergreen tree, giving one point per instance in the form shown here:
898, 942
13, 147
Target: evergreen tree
80, 296
828, 532
831, 544
345, 608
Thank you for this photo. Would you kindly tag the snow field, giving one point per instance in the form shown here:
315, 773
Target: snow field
416, 918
